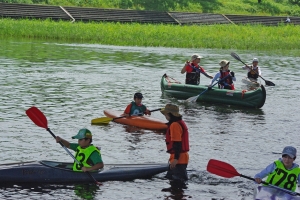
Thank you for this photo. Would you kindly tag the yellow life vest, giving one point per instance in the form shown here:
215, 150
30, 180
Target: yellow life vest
284, 178
82, 156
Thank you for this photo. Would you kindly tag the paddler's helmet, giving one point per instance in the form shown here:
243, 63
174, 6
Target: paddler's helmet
138, 95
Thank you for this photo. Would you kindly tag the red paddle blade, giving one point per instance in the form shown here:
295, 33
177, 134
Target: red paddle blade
221, 168
37, 117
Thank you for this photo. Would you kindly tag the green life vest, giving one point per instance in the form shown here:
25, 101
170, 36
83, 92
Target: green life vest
284, 178
137, 110
82, 155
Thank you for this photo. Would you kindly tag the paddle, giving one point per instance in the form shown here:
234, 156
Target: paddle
226, 170
106, 120
40, 120
269, 83
194, 98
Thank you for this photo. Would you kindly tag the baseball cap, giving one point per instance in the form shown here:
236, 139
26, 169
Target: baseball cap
138, 95
255, 60
195, 56
290, 151
83, 133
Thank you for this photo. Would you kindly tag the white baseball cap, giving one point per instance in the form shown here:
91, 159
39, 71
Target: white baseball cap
255, 60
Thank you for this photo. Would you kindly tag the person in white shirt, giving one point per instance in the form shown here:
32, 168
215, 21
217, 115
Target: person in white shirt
253, 71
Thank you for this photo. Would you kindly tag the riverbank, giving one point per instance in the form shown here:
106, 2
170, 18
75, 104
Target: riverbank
245, 37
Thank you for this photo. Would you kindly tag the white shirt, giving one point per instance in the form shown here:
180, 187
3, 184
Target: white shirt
254, 68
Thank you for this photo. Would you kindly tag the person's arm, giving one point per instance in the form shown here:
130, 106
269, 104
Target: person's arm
127, 111
259, 71
246, 67
96, 158
265, 172
176, 136
147, 112
183, 70
215, 78
64, 142
205, 74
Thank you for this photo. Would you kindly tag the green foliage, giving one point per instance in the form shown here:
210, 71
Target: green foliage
283, 37
296, 2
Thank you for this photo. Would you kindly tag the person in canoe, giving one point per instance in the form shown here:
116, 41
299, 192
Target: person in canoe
177, 141
136, 107
193, 70
86, 153
225, 76
253, 70
283, 172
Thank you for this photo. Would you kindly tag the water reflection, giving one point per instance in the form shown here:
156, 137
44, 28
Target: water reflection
49, 191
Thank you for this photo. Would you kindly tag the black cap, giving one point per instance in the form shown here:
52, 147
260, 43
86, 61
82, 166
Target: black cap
138, 95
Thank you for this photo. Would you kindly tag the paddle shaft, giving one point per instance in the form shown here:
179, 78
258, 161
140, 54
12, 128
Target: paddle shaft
63, 146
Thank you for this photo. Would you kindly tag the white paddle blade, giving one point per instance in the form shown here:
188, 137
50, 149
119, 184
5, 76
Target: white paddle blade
193, 99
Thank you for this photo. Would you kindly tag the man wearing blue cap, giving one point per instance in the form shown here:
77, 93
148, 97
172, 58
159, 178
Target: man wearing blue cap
87, 154
283, 172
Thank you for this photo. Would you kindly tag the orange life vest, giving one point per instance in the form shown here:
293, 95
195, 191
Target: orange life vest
184, 142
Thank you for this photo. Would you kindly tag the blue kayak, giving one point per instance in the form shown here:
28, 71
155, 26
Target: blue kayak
61, 172
271, 193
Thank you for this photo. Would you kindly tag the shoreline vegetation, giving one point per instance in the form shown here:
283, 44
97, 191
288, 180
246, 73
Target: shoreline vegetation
283, 37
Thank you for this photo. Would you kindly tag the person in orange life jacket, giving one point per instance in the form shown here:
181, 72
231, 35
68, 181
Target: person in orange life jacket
86, 153
193, 70
224, 71
177, 141
253, 70
136, 107
283, 172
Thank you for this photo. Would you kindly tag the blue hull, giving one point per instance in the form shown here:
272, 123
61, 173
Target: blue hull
60, 172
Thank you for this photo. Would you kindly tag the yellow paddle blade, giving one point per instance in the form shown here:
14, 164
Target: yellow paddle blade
101, 120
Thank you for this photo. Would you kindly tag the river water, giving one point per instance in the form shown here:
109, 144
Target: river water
73, 83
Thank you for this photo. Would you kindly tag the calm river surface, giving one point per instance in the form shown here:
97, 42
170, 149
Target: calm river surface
73, 83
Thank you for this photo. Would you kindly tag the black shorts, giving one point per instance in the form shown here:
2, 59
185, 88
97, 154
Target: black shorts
178, 173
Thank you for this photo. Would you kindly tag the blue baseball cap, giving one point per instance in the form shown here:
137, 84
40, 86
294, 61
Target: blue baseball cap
290, 151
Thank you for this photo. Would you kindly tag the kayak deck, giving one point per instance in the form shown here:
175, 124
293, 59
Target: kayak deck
271, 193
61, 172
145, 122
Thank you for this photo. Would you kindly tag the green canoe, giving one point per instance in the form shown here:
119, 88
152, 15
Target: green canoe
254, 98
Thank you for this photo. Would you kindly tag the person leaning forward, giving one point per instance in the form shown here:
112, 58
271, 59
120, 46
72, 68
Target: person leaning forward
283, 172
193, 70
177, 141
86, 153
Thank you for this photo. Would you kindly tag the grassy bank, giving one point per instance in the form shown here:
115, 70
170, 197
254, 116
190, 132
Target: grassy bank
257, 37
248, 7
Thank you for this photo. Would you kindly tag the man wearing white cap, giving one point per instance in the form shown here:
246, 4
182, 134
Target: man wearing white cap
193, 70
253, 70
283, 172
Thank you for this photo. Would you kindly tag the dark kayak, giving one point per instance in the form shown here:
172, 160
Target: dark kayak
252, 98
271, 193
61, 172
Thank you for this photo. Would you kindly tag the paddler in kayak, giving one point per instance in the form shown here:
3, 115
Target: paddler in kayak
253, 70
193, 70
177, 141
283, 172
136, 107
86, 153
225, 75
